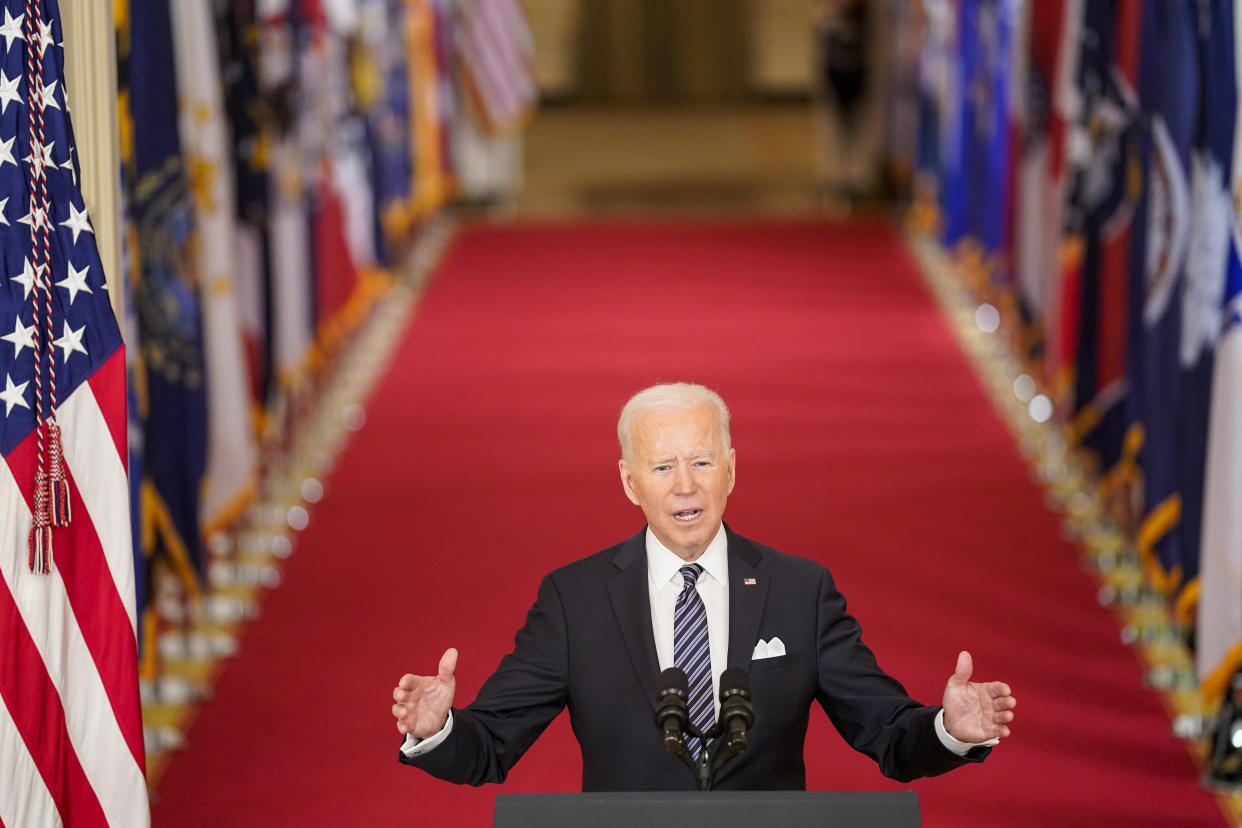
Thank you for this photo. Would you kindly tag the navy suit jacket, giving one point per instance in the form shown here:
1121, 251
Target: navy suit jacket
588, 645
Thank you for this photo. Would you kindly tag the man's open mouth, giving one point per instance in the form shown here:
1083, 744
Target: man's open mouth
687, 515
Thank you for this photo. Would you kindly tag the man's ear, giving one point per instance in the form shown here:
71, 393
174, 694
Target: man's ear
627, 481
732, 469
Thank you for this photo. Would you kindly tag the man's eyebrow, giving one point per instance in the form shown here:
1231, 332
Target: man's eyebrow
698, 455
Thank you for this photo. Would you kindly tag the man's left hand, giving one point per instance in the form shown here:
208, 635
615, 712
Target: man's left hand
976, 712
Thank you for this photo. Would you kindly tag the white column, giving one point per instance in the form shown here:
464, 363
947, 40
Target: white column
90, 81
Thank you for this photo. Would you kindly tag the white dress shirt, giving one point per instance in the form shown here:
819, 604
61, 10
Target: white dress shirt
664, 582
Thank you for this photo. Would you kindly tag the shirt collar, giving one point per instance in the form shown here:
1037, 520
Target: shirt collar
663, 564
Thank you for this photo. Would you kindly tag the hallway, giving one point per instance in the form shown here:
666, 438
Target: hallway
488, 458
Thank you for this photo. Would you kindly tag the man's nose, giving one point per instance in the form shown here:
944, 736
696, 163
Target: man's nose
683, 480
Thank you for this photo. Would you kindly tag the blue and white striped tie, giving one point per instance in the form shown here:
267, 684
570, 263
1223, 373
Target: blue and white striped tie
692, 653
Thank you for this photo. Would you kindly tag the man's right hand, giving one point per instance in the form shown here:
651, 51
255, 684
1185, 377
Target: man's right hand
423, 702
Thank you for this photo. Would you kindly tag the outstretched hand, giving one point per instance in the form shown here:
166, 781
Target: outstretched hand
976, 712
422, 702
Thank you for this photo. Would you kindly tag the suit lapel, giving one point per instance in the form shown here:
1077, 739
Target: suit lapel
631, 602
748, 588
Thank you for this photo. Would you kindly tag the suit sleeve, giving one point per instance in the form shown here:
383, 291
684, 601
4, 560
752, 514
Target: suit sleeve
870, 708
519, 700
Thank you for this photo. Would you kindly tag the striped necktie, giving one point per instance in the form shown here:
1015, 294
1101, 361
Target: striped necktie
692, 653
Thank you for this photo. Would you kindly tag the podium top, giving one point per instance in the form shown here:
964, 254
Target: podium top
717, 809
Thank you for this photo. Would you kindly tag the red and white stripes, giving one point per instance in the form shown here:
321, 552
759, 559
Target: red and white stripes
495, 49
68, 683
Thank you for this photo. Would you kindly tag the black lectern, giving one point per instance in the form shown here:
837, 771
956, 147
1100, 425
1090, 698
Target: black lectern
717, 809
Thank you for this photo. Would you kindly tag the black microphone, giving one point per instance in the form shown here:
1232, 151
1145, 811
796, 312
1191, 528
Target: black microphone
671, 714
736, 711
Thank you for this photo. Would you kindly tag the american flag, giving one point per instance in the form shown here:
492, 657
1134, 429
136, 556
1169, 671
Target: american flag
70, 718
496, 51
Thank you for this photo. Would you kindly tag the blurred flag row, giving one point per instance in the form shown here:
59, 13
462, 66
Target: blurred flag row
278, 158
1083, 161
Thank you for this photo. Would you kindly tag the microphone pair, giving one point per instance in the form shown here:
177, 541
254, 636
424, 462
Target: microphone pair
737, 714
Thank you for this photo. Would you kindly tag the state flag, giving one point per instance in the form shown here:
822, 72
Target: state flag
1169, 90
1218, 633
232, 457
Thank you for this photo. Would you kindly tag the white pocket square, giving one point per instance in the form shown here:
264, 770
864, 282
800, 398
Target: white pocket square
768, 649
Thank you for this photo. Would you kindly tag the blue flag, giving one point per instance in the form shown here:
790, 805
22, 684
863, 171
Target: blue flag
958, 118
389, 125
252, 119
1204, 276
987, 122
1169, 93
166, 298
1098, 219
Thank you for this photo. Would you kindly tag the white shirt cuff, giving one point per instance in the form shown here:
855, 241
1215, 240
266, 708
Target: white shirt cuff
412, 747
960, 748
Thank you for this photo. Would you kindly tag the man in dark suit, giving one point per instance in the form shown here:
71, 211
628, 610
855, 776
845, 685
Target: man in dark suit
689, 592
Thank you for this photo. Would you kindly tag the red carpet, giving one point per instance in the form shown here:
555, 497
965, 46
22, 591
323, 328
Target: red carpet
489, 457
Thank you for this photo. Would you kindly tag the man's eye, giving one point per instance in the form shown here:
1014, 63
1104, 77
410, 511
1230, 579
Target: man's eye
662, 468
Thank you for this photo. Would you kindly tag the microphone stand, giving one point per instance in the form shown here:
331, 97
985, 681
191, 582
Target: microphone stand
704, 769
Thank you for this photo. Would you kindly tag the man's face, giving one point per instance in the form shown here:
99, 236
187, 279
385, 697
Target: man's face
680, 476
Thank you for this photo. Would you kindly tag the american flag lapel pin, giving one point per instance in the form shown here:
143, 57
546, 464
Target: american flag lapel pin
749, 581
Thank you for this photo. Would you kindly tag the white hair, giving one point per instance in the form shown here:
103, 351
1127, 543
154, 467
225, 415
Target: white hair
672, 396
